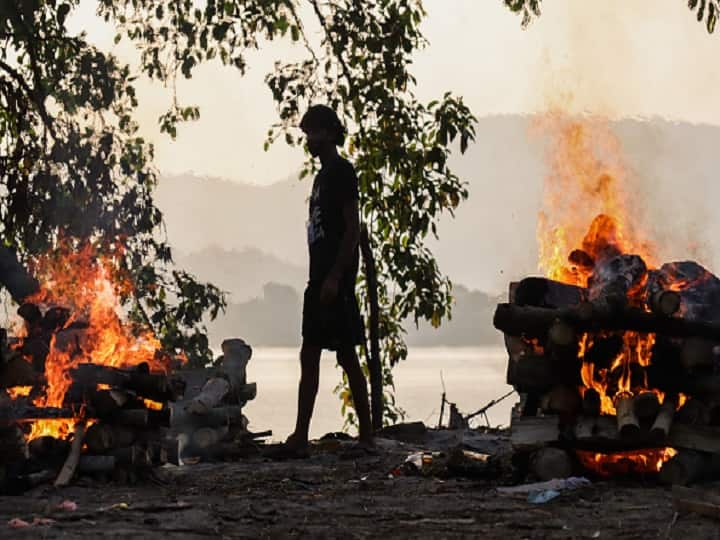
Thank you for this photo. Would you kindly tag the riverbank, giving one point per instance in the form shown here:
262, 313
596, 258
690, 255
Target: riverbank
329, 496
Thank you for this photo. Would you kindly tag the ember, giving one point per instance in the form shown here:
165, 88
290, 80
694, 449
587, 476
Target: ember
632, 462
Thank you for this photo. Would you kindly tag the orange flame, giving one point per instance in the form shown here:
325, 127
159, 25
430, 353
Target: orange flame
587, 183
629, 462
586, 178
153, 405
19, 391
92, 289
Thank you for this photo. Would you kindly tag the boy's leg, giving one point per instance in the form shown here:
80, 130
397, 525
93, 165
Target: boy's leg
307, 391
348, 360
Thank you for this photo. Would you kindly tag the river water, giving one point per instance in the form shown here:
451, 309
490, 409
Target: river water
473, 376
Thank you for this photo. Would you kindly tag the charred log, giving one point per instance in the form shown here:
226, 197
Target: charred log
536, 321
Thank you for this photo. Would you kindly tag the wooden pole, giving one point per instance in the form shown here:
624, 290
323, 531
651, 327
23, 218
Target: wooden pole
627, 421
71, 463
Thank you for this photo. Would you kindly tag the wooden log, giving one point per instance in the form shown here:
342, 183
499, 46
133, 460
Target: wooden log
591, 404
536, 321
705, 386
702, 438
601, 434
132, 417
664, 302
212, 393
701, 502
107, 402
25, 413
614, 277
48, 448
697, 354
537, 291
548, 463
599, 431
627, 421
695, 412
646, 405
157, 387
562, 334
236, 355
136, 455
533, 374
16, 371
96, 464
70, 465
219, 416
690, 466
13, 447
534, 431
565, 401
100, 438
661, 426
246, 392
206, 436
159, 418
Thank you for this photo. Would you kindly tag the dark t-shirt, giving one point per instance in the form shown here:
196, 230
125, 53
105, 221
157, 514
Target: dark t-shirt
334, 186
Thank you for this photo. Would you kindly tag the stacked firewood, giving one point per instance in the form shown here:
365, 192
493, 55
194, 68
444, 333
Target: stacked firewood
120, 419
123, 422
209, 423
672, 399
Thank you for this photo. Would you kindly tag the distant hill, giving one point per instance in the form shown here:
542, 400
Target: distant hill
273, 319
243, 236
492, 239
242, 273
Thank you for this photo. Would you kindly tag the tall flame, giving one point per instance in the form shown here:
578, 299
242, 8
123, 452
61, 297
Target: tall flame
88, 284
586, 179
585, 219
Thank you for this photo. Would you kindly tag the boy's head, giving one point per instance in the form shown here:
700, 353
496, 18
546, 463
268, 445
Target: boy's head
322, 128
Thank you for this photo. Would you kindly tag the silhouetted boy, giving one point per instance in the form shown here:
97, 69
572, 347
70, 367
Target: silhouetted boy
331, 316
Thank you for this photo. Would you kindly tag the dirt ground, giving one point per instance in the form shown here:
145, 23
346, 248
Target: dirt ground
328, 496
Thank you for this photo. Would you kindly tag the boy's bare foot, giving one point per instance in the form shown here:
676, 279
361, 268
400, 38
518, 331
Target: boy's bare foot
293, 448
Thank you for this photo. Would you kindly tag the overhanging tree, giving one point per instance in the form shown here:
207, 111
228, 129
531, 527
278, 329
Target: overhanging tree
706, 11
68, 129
400, 146
73, 170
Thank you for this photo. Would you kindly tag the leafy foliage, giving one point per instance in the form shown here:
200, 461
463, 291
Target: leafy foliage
399, 145
706, 10
528, 9
69, 132
73, 167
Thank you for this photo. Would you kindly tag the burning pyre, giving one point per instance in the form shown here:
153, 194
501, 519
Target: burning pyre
613, 333
82, 324
79, 380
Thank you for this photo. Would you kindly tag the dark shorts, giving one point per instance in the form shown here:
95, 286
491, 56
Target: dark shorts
332, 326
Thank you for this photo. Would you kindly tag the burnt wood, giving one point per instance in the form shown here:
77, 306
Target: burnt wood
536, 321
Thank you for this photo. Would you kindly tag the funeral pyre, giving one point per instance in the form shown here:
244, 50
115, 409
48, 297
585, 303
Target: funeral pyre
84, 391
617, 358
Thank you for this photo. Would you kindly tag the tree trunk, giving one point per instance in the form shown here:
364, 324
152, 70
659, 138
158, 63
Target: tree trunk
373, 354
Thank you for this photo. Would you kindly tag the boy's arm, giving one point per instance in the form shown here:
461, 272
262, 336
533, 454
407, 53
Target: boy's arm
348, 245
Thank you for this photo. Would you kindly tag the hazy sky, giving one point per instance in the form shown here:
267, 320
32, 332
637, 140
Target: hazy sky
618, 58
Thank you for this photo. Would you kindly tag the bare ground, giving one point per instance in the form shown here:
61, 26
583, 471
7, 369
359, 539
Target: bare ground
329, 497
